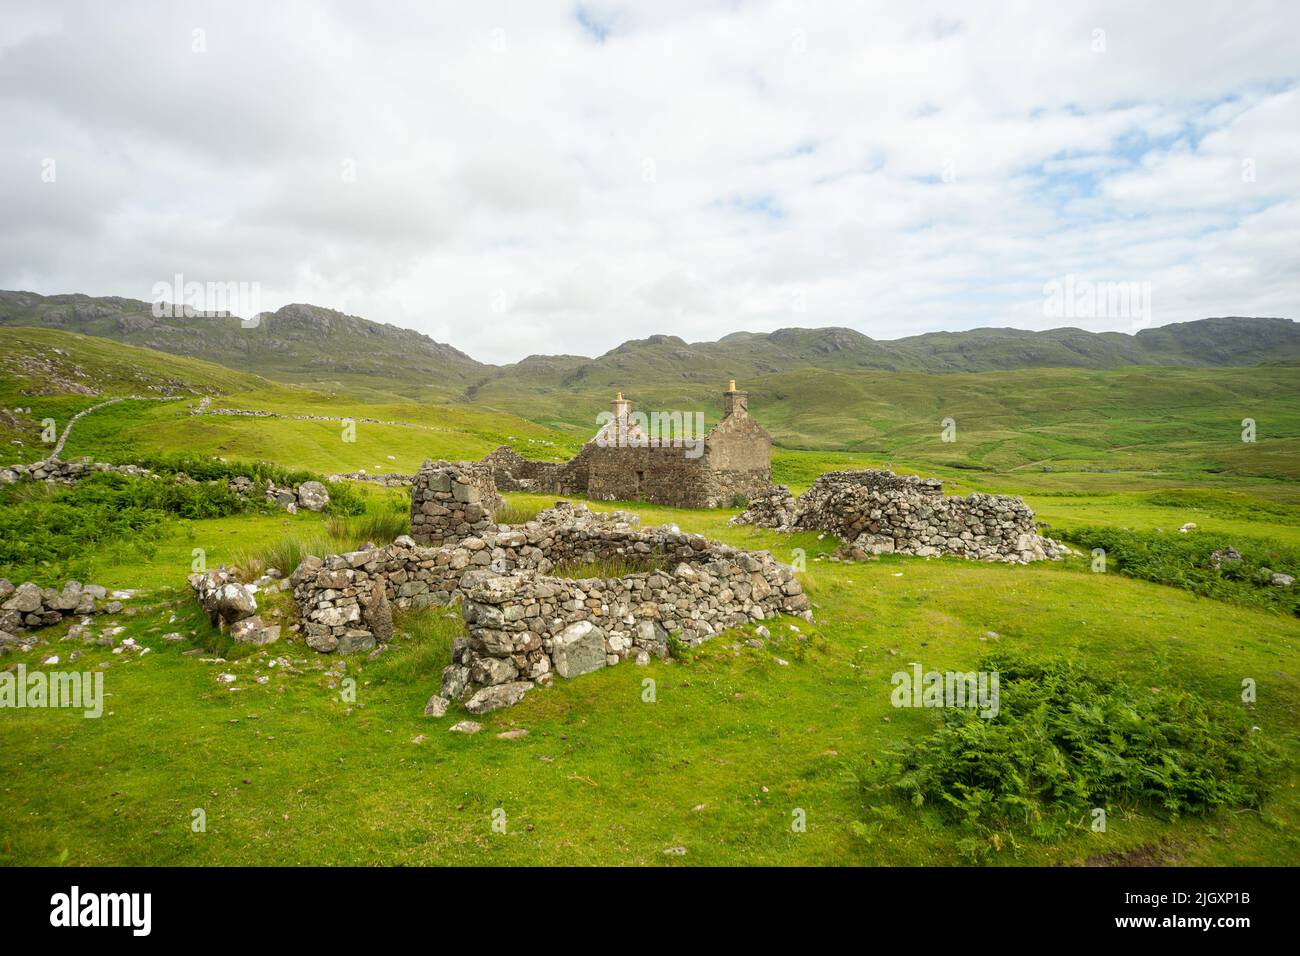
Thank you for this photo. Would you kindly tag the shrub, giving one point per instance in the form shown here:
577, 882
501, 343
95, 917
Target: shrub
1183, 561
344, 499
47, 534
1066, 740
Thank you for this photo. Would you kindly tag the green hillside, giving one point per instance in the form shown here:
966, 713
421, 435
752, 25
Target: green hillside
56, 374
309, 344
298, 343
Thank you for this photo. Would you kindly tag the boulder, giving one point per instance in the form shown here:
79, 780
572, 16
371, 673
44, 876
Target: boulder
354, 640
497, 696
437, 706
306, 567
26, 599
378, 615
454, 680
494, 670
253, 630
230, 602
578, 649
313, 496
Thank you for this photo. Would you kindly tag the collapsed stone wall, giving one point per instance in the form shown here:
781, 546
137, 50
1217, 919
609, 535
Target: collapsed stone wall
450, 502
624, 462
57, 471
878, 512
513, 472
311, 495
525, 623
30, 606
524, 628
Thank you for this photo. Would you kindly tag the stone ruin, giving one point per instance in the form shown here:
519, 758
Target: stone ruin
29, 606
878, 512
526, 623
622, 462
449, 502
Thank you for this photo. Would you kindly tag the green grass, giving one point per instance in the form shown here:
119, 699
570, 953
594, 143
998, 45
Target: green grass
734, 743
384, 519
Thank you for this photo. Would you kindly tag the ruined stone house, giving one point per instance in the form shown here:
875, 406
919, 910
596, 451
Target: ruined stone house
625, 462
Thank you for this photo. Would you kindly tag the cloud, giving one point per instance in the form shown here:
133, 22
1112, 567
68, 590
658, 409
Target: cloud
551, 177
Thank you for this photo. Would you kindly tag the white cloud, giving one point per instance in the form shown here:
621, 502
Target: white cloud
673, 168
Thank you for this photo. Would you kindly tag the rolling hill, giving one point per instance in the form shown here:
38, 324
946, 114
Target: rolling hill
297, 343
306, 343
1165, 401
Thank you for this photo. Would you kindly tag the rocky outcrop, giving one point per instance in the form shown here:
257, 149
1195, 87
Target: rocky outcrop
878, 512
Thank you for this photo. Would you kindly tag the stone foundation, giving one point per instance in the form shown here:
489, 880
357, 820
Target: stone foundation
524, 623
878, 512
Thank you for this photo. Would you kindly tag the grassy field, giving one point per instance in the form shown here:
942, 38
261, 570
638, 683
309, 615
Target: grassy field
738, 738
289, 772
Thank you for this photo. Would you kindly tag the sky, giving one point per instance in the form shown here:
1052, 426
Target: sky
538, 177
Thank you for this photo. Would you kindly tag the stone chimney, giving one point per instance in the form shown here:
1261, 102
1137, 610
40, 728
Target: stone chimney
734, 402
621, 407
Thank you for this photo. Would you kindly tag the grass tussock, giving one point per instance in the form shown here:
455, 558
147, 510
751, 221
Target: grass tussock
517, 512
607, 567
339, 533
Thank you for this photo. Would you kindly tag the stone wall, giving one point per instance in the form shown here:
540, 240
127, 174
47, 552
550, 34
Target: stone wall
513, 472
312, 495
524, 622
665, 474
56, 471
622, 463
878, 512
452, 501
30, 606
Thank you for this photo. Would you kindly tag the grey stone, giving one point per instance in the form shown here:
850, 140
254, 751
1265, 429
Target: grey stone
578, 649
497, 696
313, 496
25, 599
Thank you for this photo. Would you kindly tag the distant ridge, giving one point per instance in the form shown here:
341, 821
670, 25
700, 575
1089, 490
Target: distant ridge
307, 343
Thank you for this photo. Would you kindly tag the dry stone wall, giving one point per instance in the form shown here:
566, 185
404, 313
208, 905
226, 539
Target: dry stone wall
28, 605
526, 624
451, 502
878, 512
